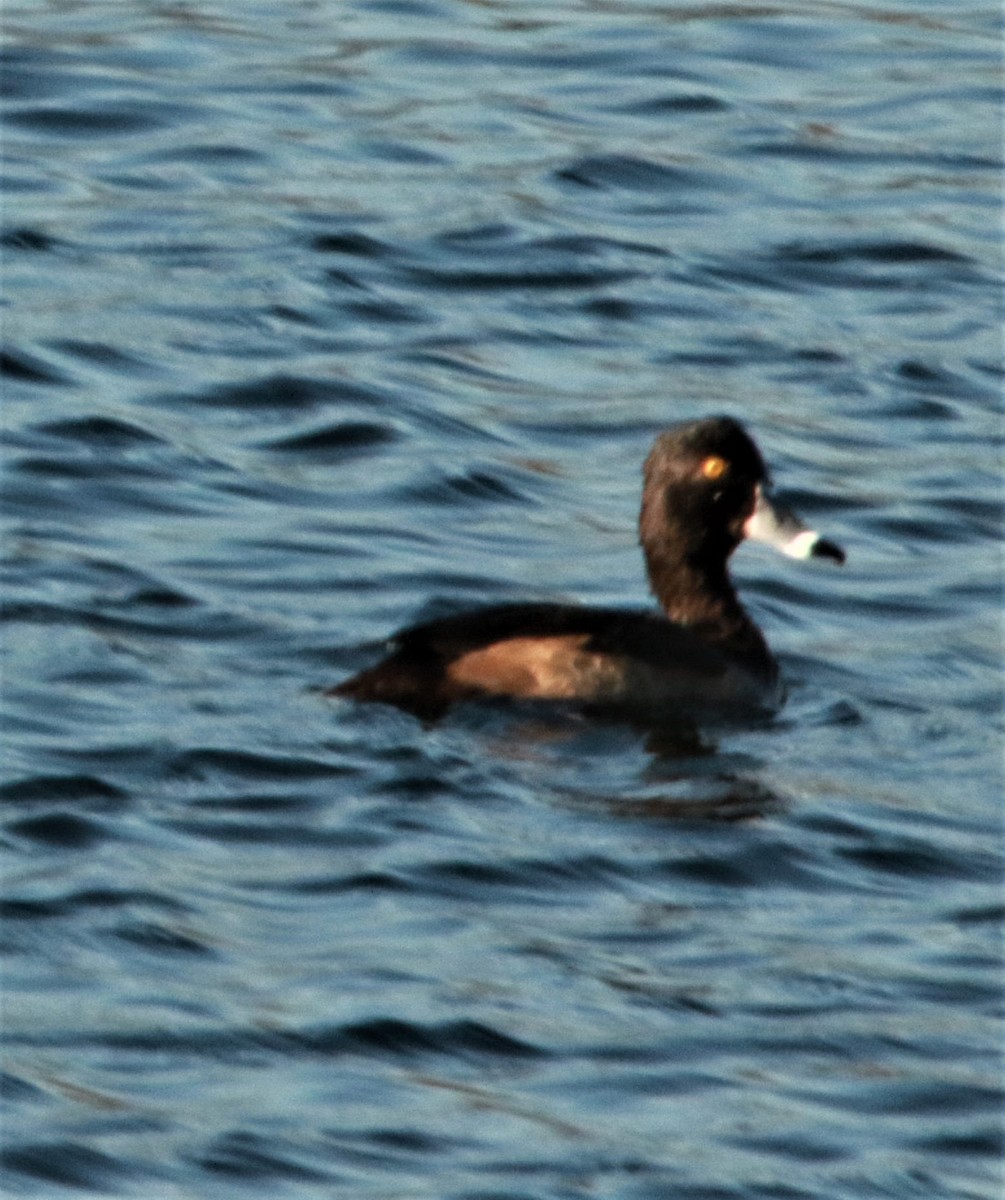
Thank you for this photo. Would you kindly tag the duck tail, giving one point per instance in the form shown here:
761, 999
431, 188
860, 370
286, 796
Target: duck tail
401, 680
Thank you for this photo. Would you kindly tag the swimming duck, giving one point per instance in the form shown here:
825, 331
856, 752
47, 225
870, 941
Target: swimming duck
705, 489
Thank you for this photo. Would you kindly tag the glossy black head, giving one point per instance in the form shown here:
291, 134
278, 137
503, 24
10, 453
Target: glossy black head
701, 487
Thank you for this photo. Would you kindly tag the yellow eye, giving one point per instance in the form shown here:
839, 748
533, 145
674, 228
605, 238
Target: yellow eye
714, 467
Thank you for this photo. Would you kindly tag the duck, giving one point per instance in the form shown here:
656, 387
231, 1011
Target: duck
705, 490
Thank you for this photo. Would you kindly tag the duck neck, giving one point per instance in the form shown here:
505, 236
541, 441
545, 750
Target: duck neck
701, 596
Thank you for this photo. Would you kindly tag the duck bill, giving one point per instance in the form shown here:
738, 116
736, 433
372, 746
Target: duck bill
780, 528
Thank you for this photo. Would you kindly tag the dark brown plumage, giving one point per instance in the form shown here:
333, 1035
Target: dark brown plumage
704, 491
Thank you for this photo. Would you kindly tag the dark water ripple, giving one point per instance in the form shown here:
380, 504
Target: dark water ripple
319, 318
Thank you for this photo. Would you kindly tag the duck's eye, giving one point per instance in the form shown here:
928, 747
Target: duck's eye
714, 467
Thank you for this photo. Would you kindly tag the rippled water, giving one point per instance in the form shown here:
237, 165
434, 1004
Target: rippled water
320, 316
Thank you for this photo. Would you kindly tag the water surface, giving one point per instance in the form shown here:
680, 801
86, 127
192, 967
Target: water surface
324, 316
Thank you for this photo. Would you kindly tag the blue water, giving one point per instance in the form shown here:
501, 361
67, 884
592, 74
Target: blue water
323, 316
